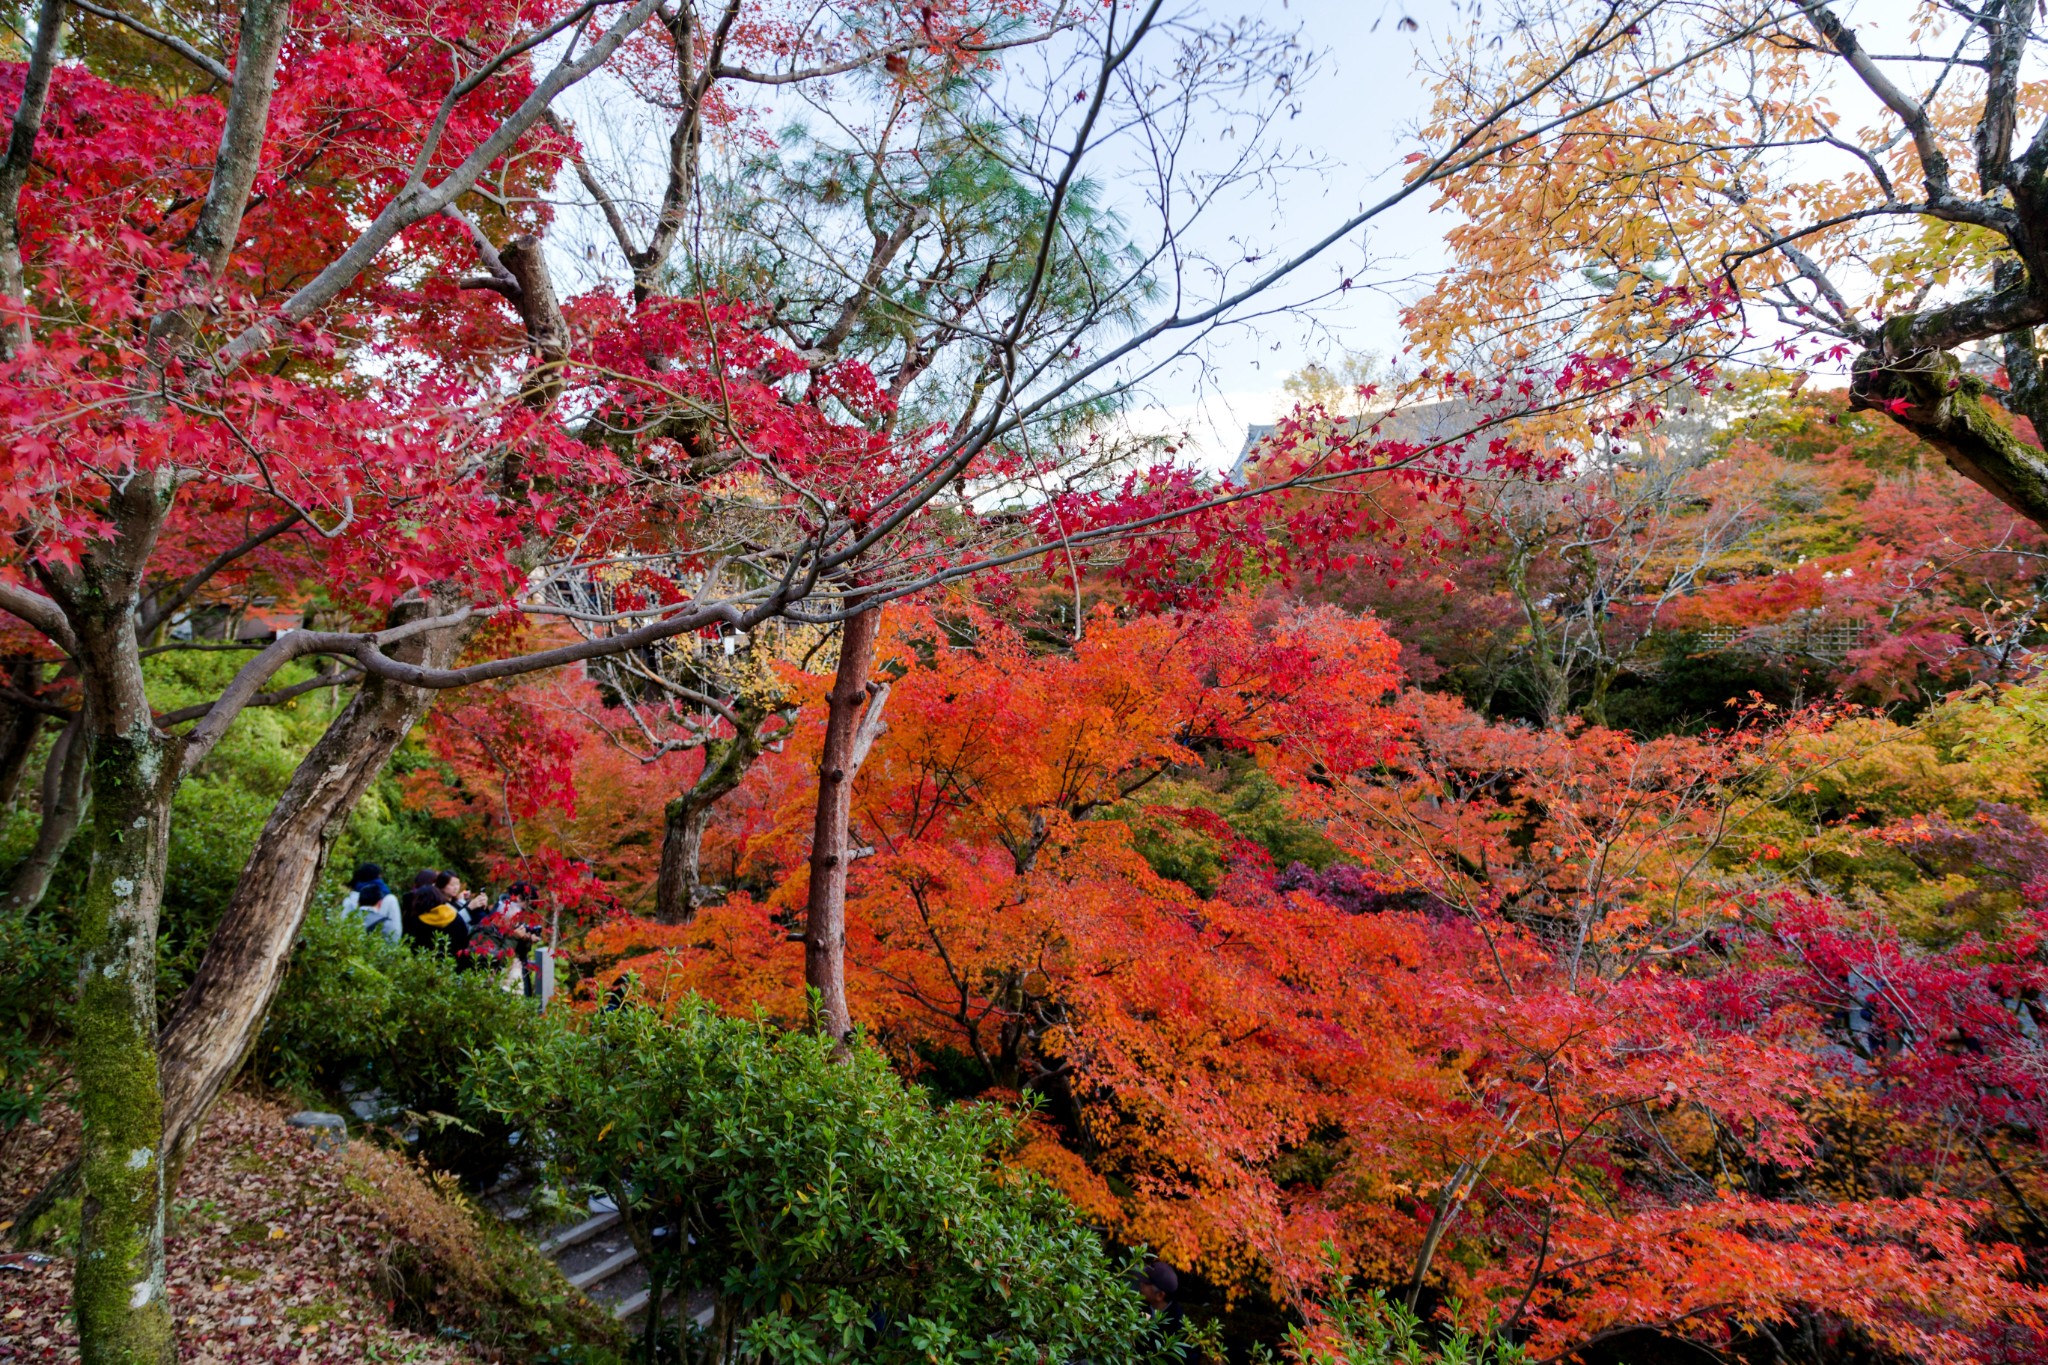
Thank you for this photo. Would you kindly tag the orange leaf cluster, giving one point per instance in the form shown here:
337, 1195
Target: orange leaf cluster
1490, 1059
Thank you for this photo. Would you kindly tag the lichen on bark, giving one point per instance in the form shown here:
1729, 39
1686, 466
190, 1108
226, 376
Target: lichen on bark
1931, 395
118, 1291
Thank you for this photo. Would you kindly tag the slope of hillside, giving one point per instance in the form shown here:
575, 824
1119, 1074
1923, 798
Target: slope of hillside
280, 1251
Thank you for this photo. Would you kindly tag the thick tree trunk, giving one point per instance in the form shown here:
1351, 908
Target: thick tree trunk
679, 878
678, 885
220, 1014
118, 1294
65, 792
118, 1284
852, 722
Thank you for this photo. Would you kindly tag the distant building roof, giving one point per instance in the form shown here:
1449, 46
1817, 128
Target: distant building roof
1422, 424
1253, 435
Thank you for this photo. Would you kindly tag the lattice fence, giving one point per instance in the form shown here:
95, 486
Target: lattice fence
1803, 637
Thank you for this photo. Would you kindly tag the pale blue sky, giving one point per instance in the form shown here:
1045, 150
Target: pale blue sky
1354, 115
1358, 111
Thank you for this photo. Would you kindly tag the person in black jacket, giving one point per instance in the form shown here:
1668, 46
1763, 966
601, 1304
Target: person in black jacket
1159, 1286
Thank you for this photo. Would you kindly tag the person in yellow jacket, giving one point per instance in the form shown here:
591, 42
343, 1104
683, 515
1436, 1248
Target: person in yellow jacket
431, 914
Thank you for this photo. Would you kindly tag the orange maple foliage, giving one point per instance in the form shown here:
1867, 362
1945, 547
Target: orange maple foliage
1006, 918
1493, 1065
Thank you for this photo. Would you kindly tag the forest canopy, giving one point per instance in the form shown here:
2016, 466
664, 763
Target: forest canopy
587, 602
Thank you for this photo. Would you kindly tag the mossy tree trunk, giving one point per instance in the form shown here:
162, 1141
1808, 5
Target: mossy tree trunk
678, 881
1550, 683
220, 1015
118, 1283
1932, 396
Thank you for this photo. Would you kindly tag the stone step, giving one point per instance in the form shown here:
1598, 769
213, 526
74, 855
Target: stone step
605, 1269
582, 1232
636, 1302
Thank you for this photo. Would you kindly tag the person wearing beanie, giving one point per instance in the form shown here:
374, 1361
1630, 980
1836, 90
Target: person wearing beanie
1159, 1285
372, 901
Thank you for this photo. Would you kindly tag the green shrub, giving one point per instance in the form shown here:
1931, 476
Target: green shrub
40, 968
1371, 1329
834, 1213
357, 1011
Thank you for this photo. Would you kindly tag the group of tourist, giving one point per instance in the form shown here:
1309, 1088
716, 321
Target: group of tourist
439, 914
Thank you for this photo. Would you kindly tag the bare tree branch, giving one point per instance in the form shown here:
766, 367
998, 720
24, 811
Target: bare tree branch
172, 41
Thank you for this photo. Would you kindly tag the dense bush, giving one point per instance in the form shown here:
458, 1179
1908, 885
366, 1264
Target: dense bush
357, 1012
835, 1213
40, 968
1371, 1329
